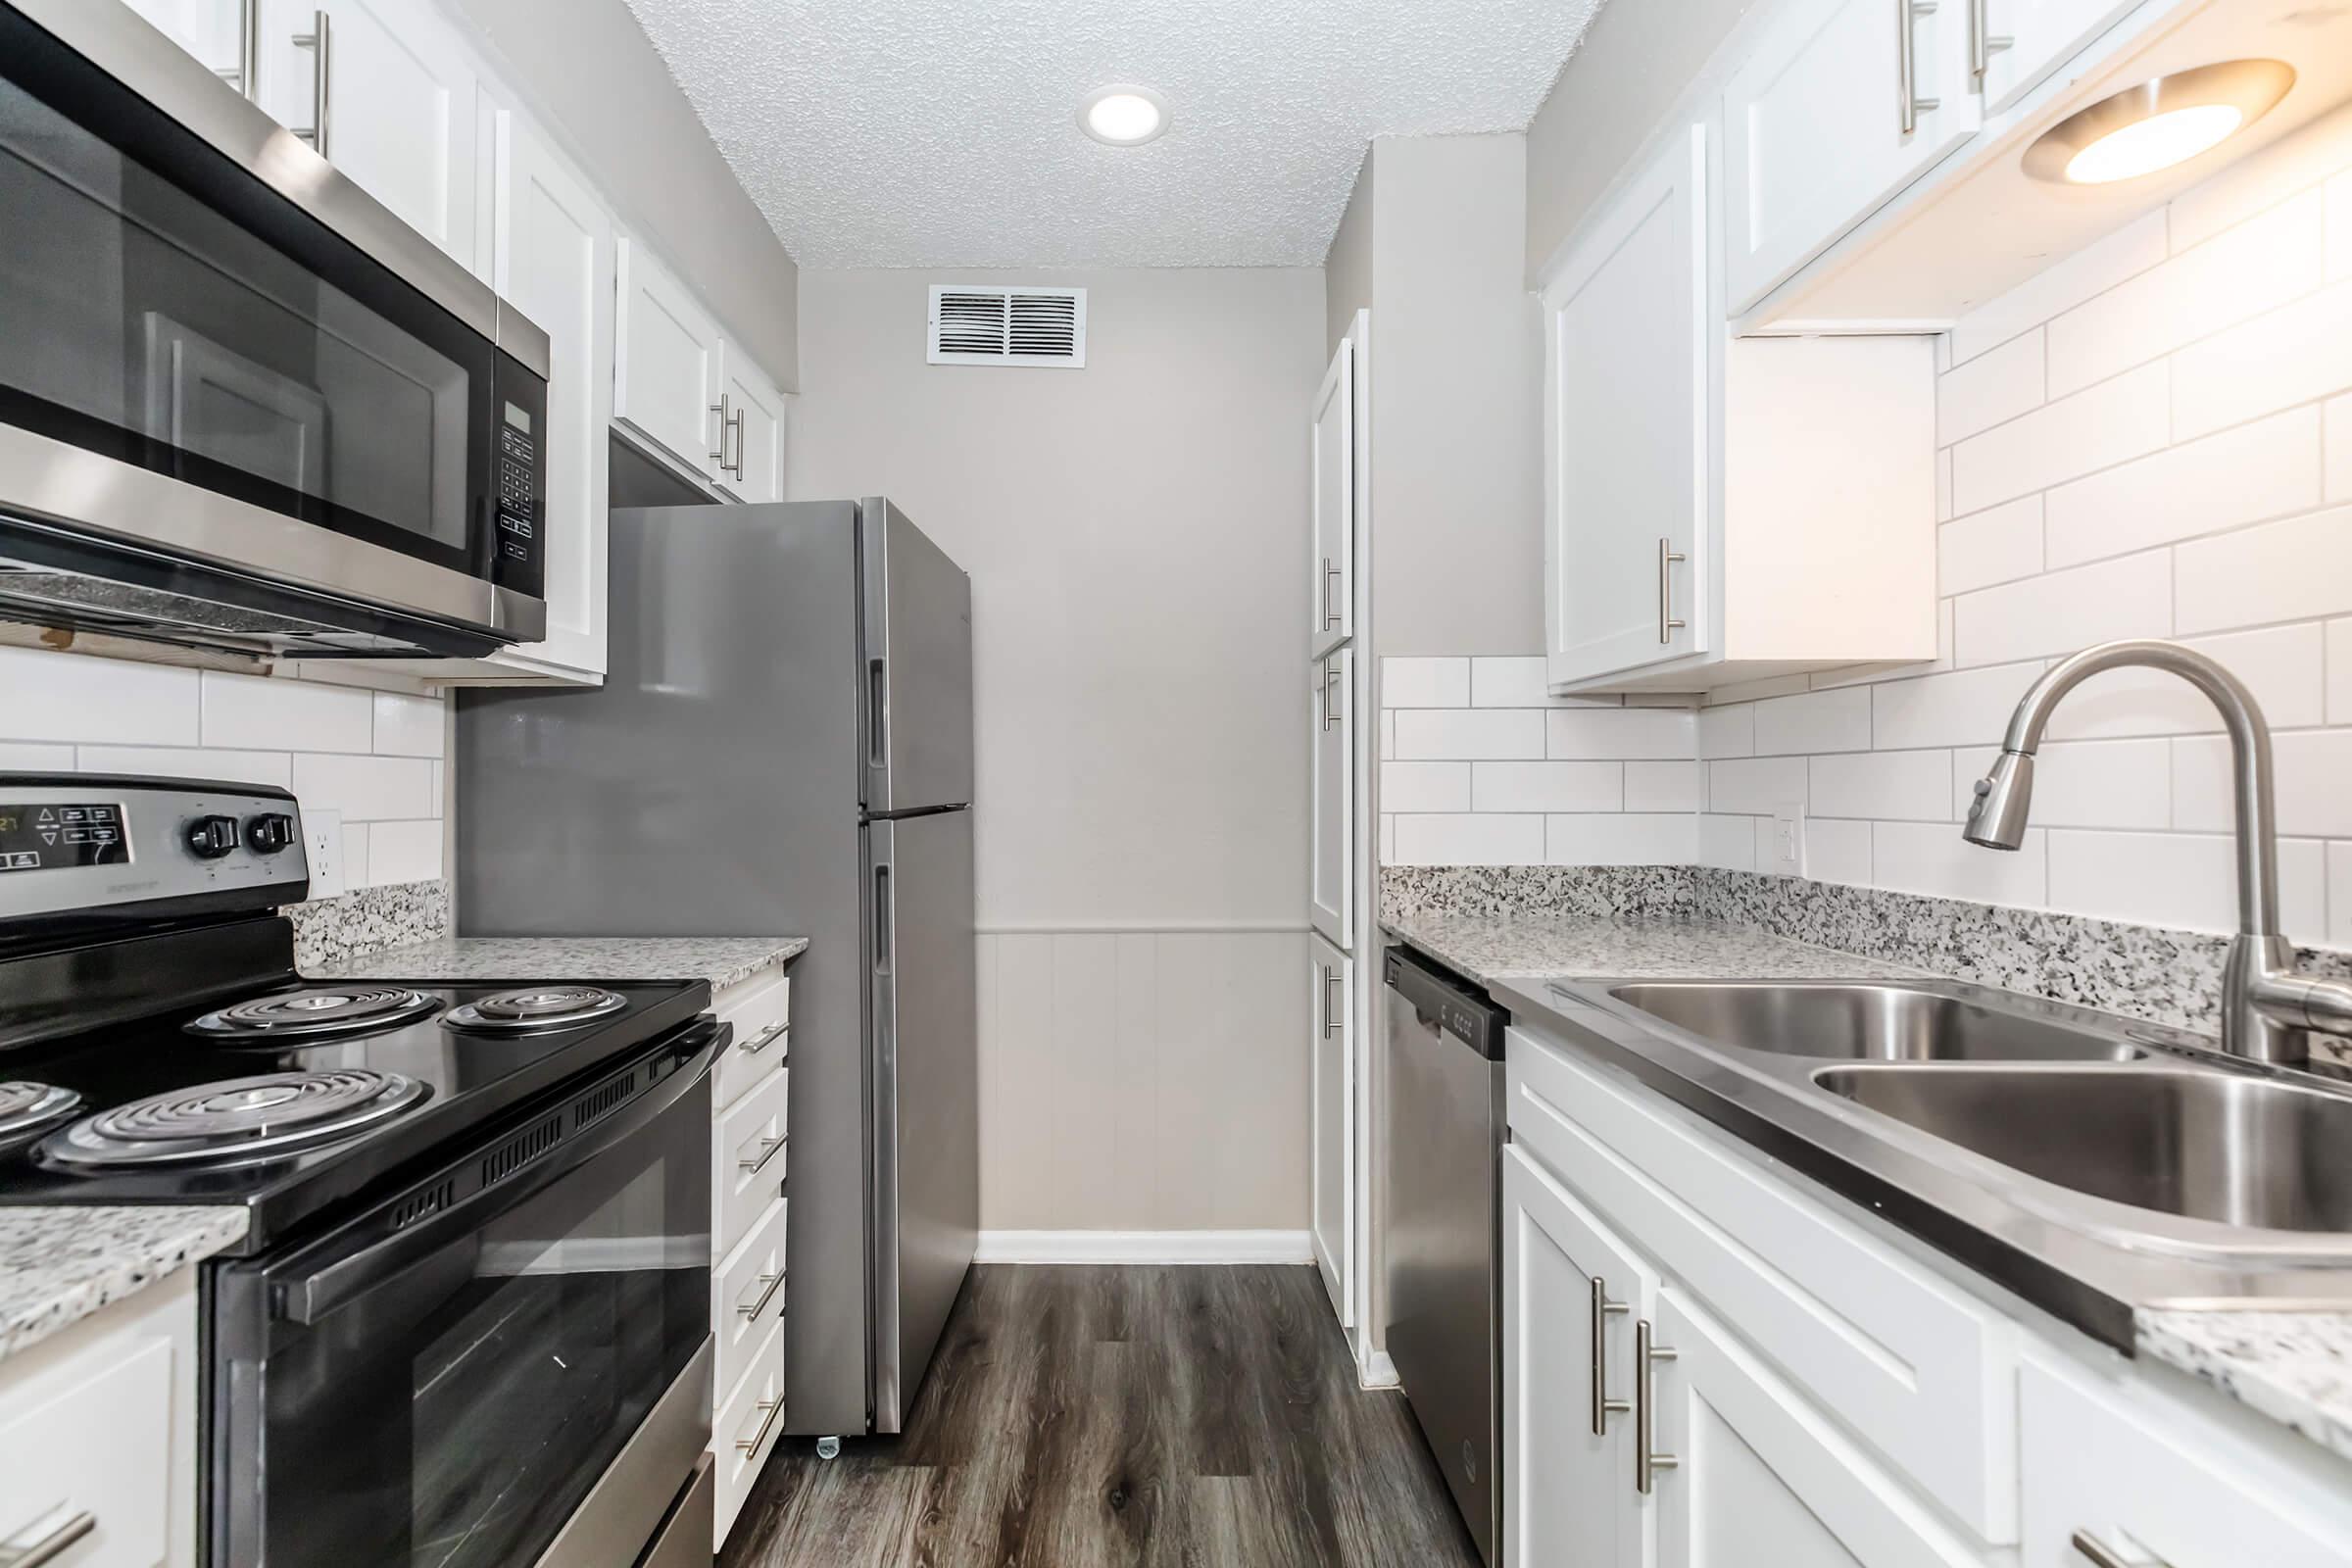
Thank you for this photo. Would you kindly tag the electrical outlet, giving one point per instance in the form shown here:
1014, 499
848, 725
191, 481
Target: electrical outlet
323, 846
1787, 851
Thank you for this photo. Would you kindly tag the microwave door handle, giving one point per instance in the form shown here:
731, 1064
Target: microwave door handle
323, 1289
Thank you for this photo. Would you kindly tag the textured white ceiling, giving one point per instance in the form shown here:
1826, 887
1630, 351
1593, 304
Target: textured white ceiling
944, 132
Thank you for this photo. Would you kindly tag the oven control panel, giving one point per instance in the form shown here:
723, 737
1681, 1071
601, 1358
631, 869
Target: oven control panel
85, 844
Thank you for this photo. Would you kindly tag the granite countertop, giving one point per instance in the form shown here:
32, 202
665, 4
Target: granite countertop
2294, 1367
59, 1266
722, 960
1536, 946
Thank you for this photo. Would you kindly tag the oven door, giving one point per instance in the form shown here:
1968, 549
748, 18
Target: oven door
213, 398
504, 1363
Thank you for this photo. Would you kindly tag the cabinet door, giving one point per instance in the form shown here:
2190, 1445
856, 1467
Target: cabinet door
383, 88
209, 30
1845, 103
751, 460
1760, 1476
1331, 702
1571, 1293
2025, 40
1332, 612
554, 261
667, 371
2128, 1474
1628, 343
1333, 1010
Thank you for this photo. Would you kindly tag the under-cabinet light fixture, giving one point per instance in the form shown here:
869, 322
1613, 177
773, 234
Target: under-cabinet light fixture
2162, 122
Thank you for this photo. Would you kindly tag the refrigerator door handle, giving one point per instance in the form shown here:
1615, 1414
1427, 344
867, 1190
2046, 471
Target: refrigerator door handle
883, 924
877, 714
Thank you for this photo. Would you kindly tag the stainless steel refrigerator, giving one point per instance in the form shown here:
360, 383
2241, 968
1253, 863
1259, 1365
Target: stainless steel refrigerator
782, 746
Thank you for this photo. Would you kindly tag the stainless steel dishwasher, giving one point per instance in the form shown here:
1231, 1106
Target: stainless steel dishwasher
1443, 1234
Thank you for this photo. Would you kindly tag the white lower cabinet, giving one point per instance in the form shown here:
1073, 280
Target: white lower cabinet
1571, 1297
1332, 1006
1331, 707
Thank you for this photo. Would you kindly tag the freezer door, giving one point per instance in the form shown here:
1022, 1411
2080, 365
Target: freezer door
916, 698
921, 951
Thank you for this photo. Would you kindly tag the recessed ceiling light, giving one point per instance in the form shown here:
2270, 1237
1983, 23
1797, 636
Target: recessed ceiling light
2158, 123
1124, 116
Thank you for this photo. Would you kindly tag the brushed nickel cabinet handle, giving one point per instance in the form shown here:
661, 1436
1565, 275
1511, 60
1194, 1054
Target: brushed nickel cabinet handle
2091, 1549
761, 1041
752, 1309
1647, 1461
245, 75
1331, 616
1982, 42
1331, 1014
320, 42
1909, 103
24, 1550
769, 1148
1668, 557
770, 1409
1604, 1310
1330, 678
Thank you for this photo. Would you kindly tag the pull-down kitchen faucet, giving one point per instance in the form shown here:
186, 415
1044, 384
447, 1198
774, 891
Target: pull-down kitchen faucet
2268, 1008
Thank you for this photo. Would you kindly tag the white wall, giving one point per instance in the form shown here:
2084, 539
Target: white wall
2151, 438
378, 758
1135, 533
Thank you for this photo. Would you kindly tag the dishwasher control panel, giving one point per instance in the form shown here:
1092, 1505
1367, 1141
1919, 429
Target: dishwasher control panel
1457, 1004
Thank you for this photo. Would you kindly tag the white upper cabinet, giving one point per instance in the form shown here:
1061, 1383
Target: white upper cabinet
751, 438
2020, 42
213, 30
385, 92
667, 376
1331, 611
1843, 103
1627, 338
555, 262
1332, 1006
1331, 702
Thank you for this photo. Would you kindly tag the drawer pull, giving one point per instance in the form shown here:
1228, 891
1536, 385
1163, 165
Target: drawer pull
767, 1293
2093, 1548
767, 1152
770, 1408
27, 1549
1604, 1310
761, 1041
1646, 1461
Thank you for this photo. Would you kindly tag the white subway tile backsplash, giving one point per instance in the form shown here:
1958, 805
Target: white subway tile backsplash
1621, 838
2093, 270
2281, 664
2177, 879
1933, 858
2339, 895
1547, 786
2339, 228
1756, 785
2338, 448
2110, 784
2312, 768
1943, 472
1729, 841
1424, 786
25, 757
1469, 840
2289, 356
1387, 734
356, 869
1999, 545
1727, 731
254, 713
404, 852
1425, 683
2291, 570
2255, 266
1508, 682
1914, 785
1620, 732
2263, 178
1964, 708
2339, 677
2059, 611
1467, 734
410, 726
1991, 390
1662, 786
2108, 423
366, 789
1833, 721
2265, 469
74, 697
1387, 839
274, 768
1835, 850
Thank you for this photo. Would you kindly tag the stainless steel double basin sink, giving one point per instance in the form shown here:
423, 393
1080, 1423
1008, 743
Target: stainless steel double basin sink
2133, 1134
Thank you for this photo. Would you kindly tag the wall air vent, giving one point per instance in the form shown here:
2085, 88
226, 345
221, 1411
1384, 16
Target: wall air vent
1044, 326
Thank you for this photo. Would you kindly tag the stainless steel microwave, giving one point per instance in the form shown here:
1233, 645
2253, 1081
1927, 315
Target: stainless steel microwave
242, 406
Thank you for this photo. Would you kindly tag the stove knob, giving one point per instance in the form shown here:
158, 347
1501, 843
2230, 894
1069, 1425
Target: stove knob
211, 837
269, 833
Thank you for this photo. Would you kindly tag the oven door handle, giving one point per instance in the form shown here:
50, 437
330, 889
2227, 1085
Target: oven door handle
323, 1288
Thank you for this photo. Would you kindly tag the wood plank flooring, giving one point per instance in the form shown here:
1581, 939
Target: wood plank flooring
1108, 1418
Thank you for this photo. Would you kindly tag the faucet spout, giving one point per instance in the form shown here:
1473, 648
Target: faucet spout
2267, 1007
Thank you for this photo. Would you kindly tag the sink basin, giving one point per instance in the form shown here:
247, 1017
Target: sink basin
1882, 1021
2200, 1144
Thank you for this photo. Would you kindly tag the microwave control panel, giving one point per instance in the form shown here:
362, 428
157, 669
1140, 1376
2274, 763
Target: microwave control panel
520, 503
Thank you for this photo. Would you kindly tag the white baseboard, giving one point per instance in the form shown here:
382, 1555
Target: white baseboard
1143, 1246
1379, 1372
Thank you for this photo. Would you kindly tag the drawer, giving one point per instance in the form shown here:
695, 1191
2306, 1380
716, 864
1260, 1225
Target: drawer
2133, 1469
760, 1010
94, 1439
747, 1161
743, 1432
1911, 1363
746, 1294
